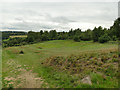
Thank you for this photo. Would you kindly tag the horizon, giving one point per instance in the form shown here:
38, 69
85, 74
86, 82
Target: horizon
48, 30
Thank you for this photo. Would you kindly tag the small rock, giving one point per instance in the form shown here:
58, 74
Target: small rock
87, 80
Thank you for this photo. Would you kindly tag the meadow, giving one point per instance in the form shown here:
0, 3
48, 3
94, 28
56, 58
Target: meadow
18, 36
60, 64
0, 67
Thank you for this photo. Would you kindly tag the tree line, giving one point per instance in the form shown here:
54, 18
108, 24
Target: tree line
7, 34
98, 34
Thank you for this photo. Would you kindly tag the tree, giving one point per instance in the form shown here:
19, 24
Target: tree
96, 33
53, 35
76, 39
30, 39
45, 37
116, 28
104, 38
70, 34
41, 32
86, 36
114, 38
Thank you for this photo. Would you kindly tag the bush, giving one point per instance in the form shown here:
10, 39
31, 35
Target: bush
21, 52
76, 39
114, 38
104, 38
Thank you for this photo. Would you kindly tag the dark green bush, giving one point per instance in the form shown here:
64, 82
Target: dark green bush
76, 39
114, 38
21, 52
104, 38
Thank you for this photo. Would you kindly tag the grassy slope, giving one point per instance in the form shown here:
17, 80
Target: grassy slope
37, 53
0, 67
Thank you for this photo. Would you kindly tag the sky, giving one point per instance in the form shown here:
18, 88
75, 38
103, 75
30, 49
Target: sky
57, 15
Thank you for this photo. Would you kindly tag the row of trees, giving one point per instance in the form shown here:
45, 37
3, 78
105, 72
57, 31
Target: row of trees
6, 34
97, 35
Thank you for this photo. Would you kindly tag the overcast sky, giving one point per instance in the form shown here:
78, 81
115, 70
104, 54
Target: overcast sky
56, 15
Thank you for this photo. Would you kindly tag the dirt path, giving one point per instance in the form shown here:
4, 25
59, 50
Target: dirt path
22, 78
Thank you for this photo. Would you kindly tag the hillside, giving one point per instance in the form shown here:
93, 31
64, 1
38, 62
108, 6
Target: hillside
44, 64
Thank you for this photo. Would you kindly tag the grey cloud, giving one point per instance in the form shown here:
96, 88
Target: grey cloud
59, 19
37, 16
32, 26
62, 19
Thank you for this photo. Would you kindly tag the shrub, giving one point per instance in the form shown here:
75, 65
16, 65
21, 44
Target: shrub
114, 38
24, 43
76, 39
21, 52
104, 38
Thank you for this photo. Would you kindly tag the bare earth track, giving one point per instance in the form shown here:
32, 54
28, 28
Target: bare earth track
25, 78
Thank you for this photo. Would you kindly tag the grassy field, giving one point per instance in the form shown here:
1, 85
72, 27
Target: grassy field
21, 36
33, 68
0, 67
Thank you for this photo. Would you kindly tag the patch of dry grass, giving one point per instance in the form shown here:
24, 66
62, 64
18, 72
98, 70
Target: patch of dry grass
102, 61
20, 36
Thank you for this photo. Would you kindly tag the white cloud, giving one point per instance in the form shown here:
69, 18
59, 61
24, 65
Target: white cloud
59, 0
57, 15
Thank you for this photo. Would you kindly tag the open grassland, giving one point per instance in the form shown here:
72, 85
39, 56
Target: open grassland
20, 36
60, 64
0, 67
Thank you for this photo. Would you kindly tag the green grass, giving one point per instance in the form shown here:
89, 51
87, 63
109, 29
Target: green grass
21, 36
0, 67
35, 54
100, 82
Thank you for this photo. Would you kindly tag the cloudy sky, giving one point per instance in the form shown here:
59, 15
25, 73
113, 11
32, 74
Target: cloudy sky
62, 16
